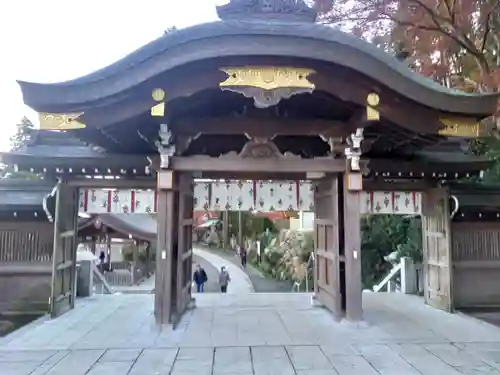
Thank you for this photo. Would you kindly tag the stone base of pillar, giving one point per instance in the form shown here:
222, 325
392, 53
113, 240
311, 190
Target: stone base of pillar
315, 302
156, 327
356, 325
192, 304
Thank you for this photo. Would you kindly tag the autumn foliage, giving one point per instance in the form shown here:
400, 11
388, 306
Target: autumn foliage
457, 42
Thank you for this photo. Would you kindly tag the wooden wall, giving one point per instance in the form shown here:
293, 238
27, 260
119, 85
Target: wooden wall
25, 265
476, 264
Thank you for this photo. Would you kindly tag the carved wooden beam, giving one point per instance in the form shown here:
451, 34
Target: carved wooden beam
262, 127
385, 185
234, 163
358, 120
260, 148
252, 176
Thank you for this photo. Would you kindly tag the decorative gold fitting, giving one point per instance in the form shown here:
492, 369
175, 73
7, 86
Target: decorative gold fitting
158, 110
372, 101
457, 127
60, 121
268, 78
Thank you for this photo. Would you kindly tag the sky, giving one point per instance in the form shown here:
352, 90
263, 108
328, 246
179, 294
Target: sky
57, 40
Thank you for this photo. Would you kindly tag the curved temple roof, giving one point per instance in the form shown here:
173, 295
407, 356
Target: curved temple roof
139, 226
253, 36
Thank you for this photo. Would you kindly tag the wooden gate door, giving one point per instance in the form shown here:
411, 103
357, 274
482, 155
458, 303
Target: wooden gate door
437, 249
63, 292
327, 285
184, 256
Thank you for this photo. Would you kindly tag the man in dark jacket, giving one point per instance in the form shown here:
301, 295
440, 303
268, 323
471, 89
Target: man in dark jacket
200, 278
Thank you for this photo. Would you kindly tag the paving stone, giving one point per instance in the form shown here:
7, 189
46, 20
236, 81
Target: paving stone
39, 356
421, 359
339, 349
194, 361
51, 362
308, 358
260, 334
18, 368
121, 355
461, 360
488, 355
154, 362
385, 361
232, 361
110, 368
351, 365
271, 360
77, 362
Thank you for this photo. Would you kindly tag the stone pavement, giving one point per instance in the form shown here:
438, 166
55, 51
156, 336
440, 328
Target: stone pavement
252, 334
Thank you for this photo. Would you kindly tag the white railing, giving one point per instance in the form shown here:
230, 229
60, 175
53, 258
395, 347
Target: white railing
298, 283
388, 280
410, 278
101, 286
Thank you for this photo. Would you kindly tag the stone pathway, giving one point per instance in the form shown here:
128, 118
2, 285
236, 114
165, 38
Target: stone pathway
211, 263
212, 285
240, 282
253, 334
261, 283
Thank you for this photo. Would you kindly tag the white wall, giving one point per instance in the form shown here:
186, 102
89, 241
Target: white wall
304, 222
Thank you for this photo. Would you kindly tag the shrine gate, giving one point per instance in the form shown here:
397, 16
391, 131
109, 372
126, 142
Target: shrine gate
264, 94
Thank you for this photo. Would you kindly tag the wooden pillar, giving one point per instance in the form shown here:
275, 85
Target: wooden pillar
225, 229
167, 220
135, 261
108, 249
240, 229
148, 258
93, 246
352, 251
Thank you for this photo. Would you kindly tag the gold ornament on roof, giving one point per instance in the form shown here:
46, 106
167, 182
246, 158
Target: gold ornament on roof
60, 121
268, 78
460, 127
372, 101
158, 110
158, 95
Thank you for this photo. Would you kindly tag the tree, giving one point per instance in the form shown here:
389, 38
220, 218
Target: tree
24, 131
382, 235
170, 29
454, 41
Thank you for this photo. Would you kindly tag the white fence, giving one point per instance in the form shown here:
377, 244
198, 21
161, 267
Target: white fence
405, 277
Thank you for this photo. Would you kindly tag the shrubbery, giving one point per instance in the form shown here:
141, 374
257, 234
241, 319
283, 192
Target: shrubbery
286, 256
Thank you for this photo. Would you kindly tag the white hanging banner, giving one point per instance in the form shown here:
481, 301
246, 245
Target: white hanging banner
263, 196
391, 202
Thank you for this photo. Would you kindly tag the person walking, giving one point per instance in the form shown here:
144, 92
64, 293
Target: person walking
200, 278
243, 256
224, 279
